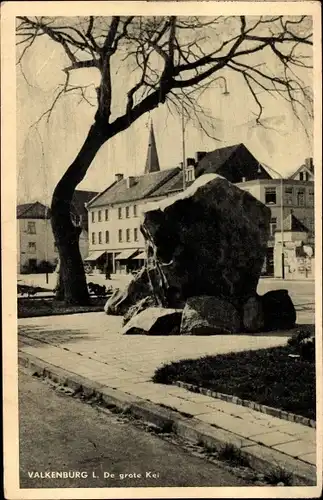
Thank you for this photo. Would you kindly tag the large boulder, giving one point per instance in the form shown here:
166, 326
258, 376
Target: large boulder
209, 240
253, 315
278, 310
122, 299
154, 321
209, 316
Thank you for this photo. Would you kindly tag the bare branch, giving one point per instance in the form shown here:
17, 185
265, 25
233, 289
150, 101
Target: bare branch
172, 55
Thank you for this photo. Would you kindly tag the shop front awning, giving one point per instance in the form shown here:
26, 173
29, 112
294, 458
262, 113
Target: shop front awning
141, 256
125, 254
94, 256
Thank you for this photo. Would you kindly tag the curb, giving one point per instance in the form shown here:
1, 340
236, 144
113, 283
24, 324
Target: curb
261, 458
268, 410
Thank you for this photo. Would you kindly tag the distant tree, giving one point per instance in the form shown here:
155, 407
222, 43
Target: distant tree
174, 60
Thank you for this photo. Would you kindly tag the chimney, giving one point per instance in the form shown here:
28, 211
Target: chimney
118, 177
130, 182
199, 155
309, 163
190, 162
181, 165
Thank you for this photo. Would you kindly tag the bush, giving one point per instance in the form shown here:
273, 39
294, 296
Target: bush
298, 338
279, 475
230, 453
303, 344
41, 267
45, 266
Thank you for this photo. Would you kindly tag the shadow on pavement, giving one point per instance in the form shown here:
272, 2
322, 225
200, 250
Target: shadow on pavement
35, 336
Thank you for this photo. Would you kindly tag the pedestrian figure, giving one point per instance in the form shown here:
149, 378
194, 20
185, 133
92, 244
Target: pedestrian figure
107, 272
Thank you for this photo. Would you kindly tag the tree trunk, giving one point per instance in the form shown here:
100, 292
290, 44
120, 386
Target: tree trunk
66, 234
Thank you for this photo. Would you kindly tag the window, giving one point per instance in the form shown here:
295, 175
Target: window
32, 247
300, 198
189, 174
135, 234
311, 197
31, 228
99, 216
288, 196
76, 219
270, 196
120, 213
120, 235
93, 216
128, 235
127, 213
307, 176
107, 237
93, 238
106, 214
100, 238
301, 176
273, 226
135, 210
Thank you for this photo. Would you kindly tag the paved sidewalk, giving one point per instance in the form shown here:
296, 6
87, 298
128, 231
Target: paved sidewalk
91, 346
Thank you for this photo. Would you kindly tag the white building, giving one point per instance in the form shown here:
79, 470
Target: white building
115, 239
35, 241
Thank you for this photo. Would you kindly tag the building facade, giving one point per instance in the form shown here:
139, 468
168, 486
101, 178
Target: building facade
35, 241
115, 239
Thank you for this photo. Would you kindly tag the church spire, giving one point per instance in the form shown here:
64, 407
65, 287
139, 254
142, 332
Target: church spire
152, 162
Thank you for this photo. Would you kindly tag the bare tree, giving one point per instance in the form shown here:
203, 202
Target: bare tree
174, 59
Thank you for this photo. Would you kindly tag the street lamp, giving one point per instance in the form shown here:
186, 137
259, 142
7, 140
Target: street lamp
183, 145
46, 242
281, 214
225, 92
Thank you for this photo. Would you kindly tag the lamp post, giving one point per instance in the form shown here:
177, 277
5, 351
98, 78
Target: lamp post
281, 215
183, 145
46, 242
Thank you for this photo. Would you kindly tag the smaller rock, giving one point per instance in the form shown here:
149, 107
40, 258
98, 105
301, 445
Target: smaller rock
137, 289
280, 484
253, 316
279, 311
154, 321
206, 315
137, 308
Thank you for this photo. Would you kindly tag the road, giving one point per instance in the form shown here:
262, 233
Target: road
61, 434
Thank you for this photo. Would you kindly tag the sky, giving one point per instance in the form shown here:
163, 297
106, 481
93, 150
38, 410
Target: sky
45, 151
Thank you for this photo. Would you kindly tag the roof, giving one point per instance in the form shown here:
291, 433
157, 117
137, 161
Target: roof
303, 168
242, 163
272, 173
142, 186
80, 198
215, 159
35, 210
292, 223
174, 184
152, 161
